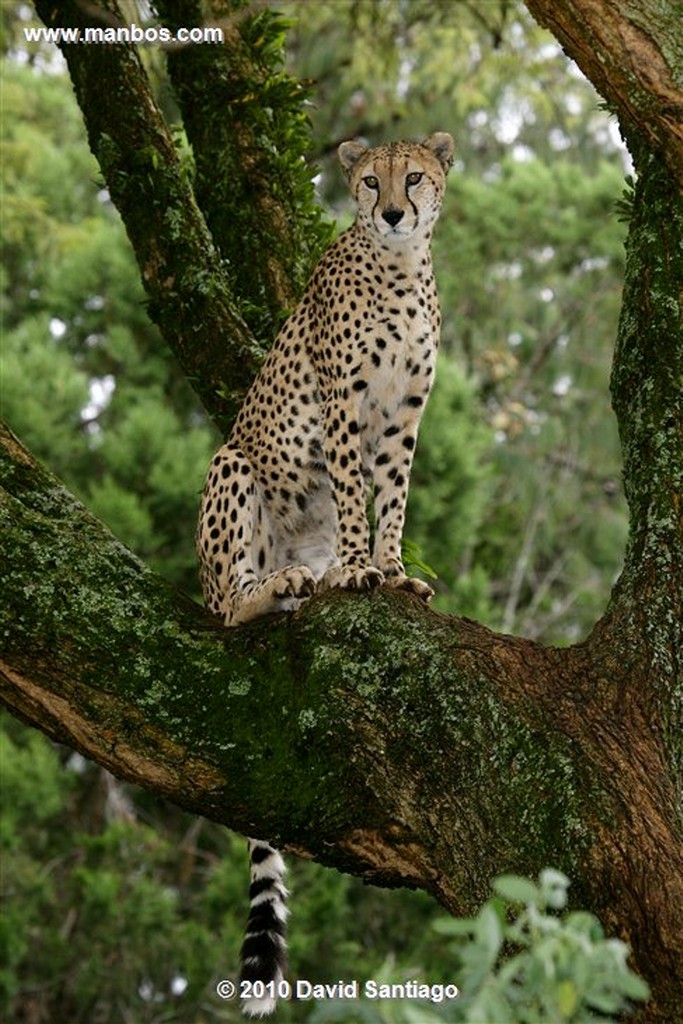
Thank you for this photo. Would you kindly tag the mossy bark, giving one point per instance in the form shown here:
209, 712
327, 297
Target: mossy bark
187, 283
365, 731
244, 117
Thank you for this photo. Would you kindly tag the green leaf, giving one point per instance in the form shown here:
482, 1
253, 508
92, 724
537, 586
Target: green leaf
634, 987
454, 925
516, 889
605, 1002
489, 1006
411, 555
489, 931
567, 998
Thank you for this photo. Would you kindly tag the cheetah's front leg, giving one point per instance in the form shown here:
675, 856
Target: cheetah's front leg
392, 474
354, 570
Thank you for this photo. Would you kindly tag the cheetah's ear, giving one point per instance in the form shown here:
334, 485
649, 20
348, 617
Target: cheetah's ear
441, 145
349, 154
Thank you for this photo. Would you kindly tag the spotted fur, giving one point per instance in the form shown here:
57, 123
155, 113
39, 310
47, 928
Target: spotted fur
333, 413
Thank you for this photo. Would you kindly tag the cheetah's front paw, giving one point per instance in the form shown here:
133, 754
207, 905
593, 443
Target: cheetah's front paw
351, 578
412, 585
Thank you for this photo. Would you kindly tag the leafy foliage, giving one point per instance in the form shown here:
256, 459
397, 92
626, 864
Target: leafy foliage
538, 966
518, 966
88, 383
95, 908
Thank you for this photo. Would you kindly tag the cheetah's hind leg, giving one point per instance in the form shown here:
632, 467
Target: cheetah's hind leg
232, 513
281, 590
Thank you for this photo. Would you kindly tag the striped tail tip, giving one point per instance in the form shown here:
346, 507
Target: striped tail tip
264, 948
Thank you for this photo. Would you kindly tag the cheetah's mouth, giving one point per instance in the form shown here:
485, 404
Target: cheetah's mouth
400, 231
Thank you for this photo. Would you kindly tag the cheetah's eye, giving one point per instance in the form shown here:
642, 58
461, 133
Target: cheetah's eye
413, 178
371, 181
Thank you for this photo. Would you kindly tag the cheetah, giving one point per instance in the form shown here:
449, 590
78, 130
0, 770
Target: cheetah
333, 414
336, 406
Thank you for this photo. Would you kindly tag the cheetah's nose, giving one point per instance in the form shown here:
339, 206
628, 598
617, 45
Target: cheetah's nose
392, 216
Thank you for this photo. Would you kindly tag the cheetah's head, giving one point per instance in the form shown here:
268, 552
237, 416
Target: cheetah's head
399, 186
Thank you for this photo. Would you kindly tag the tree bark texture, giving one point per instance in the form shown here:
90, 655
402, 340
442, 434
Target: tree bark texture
632, 52
187, 283
249, 134
366, 731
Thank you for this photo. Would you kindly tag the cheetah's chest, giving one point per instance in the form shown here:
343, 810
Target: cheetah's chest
399, 362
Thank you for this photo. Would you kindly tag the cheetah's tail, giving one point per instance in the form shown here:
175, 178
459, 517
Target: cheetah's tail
264, 947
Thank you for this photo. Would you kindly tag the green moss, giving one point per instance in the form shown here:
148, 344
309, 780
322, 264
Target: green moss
245, 119
360, 715
647, 383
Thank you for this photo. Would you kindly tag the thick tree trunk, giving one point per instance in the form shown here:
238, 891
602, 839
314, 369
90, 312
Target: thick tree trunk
257, 198
190, 298
632, 52
367, 731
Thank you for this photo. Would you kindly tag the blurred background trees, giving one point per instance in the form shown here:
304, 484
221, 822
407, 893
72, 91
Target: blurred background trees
118, 907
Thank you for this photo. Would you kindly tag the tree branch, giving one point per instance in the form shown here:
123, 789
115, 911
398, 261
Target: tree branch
632, 55
366, 731
245, 120
189, 294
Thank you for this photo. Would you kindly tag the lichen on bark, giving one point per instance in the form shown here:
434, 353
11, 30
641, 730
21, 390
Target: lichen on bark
647, 390
245, 119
